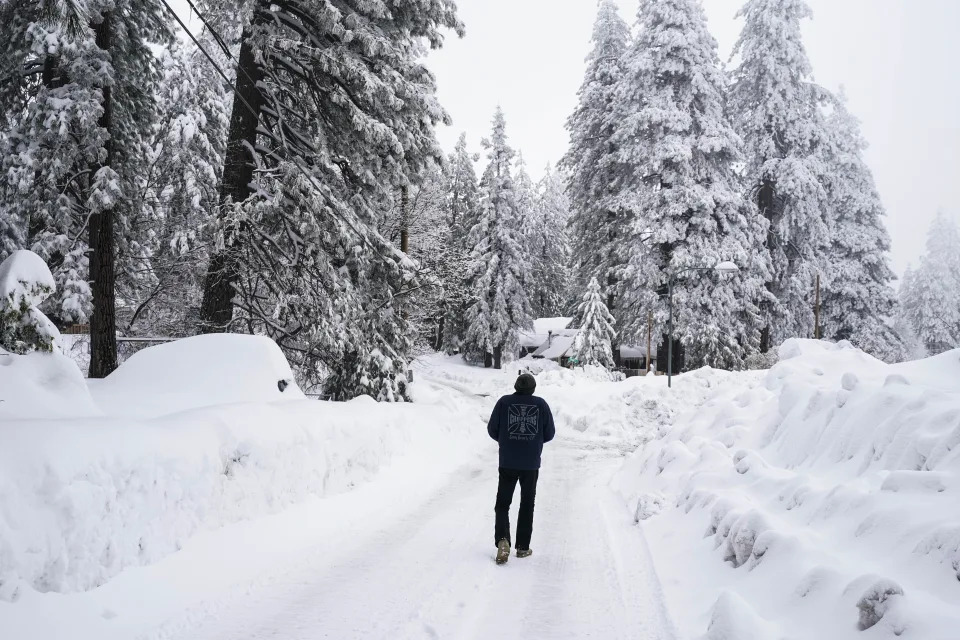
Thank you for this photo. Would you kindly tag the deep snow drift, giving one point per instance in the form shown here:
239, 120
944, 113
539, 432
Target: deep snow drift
819, 502
127, 479
813, 501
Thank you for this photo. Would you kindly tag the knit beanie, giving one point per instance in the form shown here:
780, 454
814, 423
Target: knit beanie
525, 384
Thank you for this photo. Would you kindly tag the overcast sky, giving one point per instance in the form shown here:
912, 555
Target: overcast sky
897, 60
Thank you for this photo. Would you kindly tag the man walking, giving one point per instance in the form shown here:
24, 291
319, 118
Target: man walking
521, 423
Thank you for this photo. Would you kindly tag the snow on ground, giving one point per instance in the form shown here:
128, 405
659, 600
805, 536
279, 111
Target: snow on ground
819, 501
807, 502
82, 499
306, 519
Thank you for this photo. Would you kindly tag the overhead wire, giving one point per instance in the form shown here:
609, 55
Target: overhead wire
255, 113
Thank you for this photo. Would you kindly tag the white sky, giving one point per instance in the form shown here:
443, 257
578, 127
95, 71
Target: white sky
897, 60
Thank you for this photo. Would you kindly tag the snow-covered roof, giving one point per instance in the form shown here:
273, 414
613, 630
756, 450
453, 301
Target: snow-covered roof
541, 331
557, 347
627, 351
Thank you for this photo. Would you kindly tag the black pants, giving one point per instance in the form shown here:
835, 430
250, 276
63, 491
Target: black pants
528, 492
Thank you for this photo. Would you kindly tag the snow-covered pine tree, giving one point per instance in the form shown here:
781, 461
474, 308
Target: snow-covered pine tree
858, 299
463, 206
438, 261
550, 247
930, 295
160, 290
25, 282
343, 111
592, 346
690, 213
913, 346
78, 103
598, 223
500, 263
776, 109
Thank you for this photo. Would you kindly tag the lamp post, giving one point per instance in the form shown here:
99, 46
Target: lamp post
720, 267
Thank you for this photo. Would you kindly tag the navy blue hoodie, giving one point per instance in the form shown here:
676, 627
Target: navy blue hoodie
521, 423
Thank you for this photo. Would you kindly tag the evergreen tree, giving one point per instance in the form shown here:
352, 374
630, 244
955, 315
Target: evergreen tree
500, 263
25, 282
684, 193
776, 109
464, 208
930, 295
178, 197
550, 247
598, 223
858, 298
592, 344
78, 103
337, 106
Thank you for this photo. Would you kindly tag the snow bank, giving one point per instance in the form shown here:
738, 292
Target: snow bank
824, 493
42, 385
83, 498
195, 372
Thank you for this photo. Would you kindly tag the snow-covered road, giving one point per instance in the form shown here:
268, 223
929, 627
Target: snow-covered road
429, 573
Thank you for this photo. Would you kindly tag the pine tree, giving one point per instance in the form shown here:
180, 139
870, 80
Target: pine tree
598, 222
592, 344
500, 263
857, 297
178, 197
930, 295
340, 112
550, 247
78, 105
25, 282
776, 109
684, 192
463, 214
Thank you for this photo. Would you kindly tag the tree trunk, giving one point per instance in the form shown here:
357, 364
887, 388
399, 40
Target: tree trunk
498, 357
405, 219
216, 310
103, 320
487, 359
765, 339
678, 355
441, 322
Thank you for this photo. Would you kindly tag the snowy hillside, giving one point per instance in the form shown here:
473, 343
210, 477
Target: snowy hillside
814, 503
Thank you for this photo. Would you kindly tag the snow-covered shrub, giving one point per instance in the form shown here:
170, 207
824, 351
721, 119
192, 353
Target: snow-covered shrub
25, 282
876, 601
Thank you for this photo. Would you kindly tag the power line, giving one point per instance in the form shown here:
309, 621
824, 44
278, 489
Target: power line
255, 113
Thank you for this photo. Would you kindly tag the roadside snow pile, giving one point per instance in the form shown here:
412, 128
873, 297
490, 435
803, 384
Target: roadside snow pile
42, 385
195, 372
825, 495
82, 499
585, 401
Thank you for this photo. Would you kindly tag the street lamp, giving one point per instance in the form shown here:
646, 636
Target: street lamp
720, 267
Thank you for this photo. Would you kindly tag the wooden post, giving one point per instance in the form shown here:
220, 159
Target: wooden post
816, 312
649, 337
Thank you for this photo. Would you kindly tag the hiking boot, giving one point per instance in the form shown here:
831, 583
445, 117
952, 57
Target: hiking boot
524, 553
503, 551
